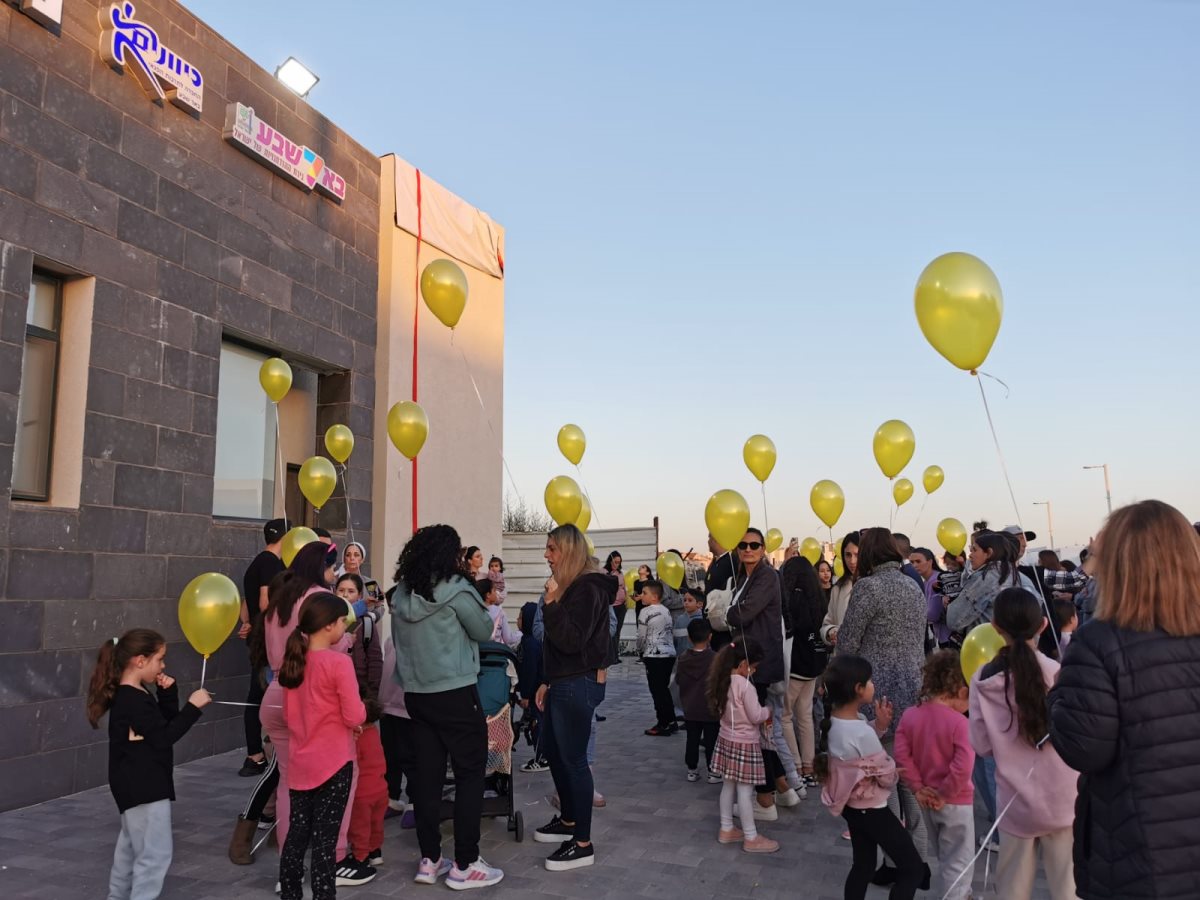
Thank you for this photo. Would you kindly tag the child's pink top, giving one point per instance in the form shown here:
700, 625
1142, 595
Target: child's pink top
276, 633
743, 713
933, 749
321, 716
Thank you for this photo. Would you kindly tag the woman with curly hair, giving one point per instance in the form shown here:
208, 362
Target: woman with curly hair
438, 620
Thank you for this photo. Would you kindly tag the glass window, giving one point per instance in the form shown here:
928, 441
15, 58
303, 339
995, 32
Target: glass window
245, 467
39, 375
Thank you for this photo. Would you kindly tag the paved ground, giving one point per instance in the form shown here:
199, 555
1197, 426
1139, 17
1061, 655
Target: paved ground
655, 839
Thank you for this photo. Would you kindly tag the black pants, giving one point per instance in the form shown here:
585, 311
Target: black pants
315, 821
658, 677
871, 829
700, 733
614, 654
254, 695
263, 791
771, 760
448, 723
396, 734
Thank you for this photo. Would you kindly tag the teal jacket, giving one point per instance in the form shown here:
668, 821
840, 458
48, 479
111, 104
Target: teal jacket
437, 641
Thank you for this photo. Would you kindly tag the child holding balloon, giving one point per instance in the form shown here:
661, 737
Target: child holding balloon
142, 728
1035, 789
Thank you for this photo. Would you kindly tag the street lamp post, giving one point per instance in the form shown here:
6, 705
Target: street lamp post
1049, 519
1107, 484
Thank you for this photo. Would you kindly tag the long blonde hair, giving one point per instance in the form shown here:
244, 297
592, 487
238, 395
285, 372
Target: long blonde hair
575, 559
1148, 570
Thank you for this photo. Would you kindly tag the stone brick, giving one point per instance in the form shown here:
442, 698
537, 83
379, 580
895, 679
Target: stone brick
48, 138
126, 354
265, 284
208, 336
143, 316
22, 77
169, 533
335, 284
146, 147
37, 528
20, 729
109, 259
184, 208
32, 779
336, 350
157, 404
22, 627
127, 576
46, 234
355, 326
119, 440
216, 184
82, 110
143, 488
112, 530
299, 267
179, 323
182, 569
237, 541
80, 624
106, 392
310, 305
186, 452
18, 170
244, 240
204, 414
198, 493
11, 356
122, 176
33, 574
245, 314
63, 724
97, 488
190, 371
202, 256
195, 293
151, 232
77, 198
294, 333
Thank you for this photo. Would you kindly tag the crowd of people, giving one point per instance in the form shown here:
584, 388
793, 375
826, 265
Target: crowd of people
1080, 737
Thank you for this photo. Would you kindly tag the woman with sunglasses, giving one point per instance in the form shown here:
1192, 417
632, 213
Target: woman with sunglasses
756, 612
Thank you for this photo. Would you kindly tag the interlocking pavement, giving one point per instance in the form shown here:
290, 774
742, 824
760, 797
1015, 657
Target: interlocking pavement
656, 837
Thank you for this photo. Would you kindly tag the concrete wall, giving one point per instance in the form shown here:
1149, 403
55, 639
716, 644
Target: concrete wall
186, 238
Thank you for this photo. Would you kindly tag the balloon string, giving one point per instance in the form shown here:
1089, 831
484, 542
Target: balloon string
203, 671
579, 472
920, 513
487, 418
281, 485
766, 518
346, 495
999, 452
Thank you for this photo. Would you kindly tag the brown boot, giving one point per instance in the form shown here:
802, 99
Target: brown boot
240, 845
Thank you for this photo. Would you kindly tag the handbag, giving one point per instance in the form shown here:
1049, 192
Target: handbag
716, 606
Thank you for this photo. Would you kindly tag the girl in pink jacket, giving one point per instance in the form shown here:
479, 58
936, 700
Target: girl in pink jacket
738, 756
858, 776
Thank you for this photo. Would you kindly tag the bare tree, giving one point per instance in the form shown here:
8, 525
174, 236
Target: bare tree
520, 517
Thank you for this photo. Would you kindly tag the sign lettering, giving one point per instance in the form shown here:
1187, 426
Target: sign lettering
127, 42
300, 165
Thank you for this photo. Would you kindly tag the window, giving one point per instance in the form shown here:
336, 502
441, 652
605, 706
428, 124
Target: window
248, 463
39, 377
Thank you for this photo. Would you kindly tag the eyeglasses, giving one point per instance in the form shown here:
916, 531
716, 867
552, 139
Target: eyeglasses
750, 545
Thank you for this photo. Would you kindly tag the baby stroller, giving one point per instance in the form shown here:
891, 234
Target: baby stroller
497, 695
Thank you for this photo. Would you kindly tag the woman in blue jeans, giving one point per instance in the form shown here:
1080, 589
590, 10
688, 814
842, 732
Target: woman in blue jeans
575, 651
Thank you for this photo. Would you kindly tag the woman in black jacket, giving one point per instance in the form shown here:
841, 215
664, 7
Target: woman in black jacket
1126, 712
804, 608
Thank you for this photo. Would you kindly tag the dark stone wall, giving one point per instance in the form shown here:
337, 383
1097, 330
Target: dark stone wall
188, 239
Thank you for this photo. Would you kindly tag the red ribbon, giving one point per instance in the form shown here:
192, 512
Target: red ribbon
416, 322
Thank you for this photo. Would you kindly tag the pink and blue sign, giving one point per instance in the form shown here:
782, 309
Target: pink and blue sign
126, 42
296, 162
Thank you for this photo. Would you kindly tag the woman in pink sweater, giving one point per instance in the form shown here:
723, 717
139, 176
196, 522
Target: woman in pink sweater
738, 756
324, 715
934, 754
858, 776
1035, 789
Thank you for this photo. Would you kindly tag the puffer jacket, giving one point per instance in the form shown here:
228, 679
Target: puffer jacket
757, 613
1126, 714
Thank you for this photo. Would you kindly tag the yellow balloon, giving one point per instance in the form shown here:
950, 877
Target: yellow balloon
902, 491
839, 567
959, 307
774, 539
317, 480
827, 501
444, 287
727, 516
982, 644
585, 514
810, 549
952, 535
408, 427
275, 376
894, 446
564, 500
759, 454
933, 478
630, 577
351, 617
339, 441
293, 541
591, 547
671, 568
208, 611
572, 443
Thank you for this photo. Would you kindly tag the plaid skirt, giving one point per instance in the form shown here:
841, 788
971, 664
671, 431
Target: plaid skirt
739, 762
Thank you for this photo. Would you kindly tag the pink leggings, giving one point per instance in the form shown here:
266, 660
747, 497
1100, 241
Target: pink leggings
275, 723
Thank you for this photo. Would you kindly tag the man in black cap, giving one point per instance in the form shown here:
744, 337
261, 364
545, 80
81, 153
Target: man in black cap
255, 583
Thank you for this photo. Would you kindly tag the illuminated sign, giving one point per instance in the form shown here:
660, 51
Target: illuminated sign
300, 165
124, 41
47, 13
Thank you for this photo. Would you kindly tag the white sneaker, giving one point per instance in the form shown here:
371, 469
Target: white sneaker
693, 775
478, 874
398, 805
761, 814
714, 778
788, 798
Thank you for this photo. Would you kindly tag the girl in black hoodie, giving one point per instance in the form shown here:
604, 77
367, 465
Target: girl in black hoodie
142, 729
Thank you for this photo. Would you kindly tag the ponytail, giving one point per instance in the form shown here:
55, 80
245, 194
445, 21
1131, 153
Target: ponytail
720, 673
841, 681
111, 661
321, 609
1019, 615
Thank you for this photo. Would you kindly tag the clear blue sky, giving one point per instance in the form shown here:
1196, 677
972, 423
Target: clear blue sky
716, 216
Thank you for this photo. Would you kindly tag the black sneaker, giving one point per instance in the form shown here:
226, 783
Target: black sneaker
350, 872
659, 731
570, 856
252, 769
554, 832
536, 765
375, 858
884, 875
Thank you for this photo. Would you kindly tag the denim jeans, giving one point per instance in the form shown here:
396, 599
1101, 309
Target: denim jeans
143, 852
984, 777
570, 711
